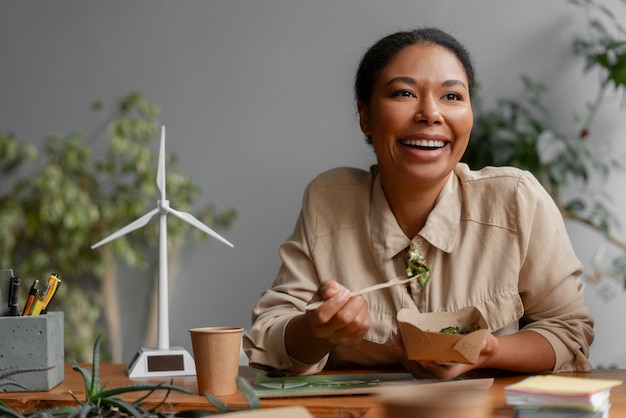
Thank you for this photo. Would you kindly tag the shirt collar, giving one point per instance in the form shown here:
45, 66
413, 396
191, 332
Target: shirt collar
441, 229
443, 224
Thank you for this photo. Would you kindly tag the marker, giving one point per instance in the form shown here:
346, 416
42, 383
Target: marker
46, 295
32, 294
14, 294
54, 292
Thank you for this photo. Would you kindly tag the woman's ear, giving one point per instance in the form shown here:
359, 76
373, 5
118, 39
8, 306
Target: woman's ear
364, 118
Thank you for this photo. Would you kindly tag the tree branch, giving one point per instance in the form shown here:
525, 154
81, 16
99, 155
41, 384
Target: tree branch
612, 238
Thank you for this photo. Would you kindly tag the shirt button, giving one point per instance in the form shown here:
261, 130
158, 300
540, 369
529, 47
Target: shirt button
419, 242
280, 361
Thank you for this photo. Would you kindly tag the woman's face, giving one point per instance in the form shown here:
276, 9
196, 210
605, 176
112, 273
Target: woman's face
420, 115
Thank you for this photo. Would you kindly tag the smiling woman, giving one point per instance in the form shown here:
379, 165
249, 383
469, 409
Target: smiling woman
493, 239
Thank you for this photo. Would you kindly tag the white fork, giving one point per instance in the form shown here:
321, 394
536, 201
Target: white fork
393, 282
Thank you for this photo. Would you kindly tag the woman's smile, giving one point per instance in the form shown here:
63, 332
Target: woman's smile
423, 143
425, 149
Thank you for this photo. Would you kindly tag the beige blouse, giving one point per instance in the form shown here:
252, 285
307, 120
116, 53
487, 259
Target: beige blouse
495, 240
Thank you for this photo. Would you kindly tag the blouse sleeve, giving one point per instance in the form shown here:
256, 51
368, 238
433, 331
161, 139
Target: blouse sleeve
550, 279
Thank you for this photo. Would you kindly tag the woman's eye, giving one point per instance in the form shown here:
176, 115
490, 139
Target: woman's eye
403, 93
452, 96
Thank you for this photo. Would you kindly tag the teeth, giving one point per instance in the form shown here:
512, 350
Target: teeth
423, 143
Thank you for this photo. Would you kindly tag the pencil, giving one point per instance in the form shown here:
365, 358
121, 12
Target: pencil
32, 294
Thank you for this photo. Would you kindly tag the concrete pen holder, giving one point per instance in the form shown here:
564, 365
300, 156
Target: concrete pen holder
33, 342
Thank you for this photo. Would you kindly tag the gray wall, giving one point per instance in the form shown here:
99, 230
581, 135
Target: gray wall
256, 98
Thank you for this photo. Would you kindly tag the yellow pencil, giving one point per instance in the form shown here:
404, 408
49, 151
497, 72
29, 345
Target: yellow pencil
32, 294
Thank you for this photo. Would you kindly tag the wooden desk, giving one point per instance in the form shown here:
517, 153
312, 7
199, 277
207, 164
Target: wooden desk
363, 406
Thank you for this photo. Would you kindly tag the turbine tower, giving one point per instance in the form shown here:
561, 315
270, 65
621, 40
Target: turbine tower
162, 361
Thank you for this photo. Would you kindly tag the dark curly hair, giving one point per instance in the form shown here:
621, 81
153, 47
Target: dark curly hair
379, 55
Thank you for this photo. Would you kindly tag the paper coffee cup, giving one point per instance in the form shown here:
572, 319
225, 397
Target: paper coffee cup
216, 354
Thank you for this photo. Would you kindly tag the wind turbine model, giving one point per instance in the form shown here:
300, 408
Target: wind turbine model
162, 361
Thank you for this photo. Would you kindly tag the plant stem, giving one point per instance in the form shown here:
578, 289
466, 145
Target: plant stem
595, 106
612, 238
110, 295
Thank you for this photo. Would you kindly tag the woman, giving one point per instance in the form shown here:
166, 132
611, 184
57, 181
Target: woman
493, 238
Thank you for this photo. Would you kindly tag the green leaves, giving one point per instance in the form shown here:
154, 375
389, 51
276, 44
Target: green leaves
509, 135
100, 401
603, 45
417, 267
13, 153
221, 407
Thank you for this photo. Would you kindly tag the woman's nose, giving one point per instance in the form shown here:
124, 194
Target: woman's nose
428, 111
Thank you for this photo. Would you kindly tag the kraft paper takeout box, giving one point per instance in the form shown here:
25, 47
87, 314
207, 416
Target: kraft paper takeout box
424, 341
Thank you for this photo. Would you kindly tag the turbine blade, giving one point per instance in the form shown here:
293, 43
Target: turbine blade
190, 219
128, 228
161, 165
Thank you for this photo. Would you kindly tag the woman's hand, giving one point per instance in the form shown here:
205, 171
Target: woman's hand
423, 369
341, 319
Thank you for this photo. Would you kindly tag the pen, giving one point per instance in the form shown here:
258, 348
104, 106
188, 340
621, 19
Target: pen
54, 292
44, 297
14, 293
32, 294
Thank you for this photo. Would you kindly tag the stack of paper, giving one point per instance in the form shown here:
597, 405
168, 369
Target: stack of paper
550, 396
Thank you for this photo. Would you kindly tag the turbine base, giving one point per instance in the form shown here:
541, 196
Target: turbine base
173, 361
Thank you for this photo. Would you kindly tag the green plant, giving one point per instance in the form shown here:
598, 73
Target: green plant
58, 201
521, 133
102, 402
